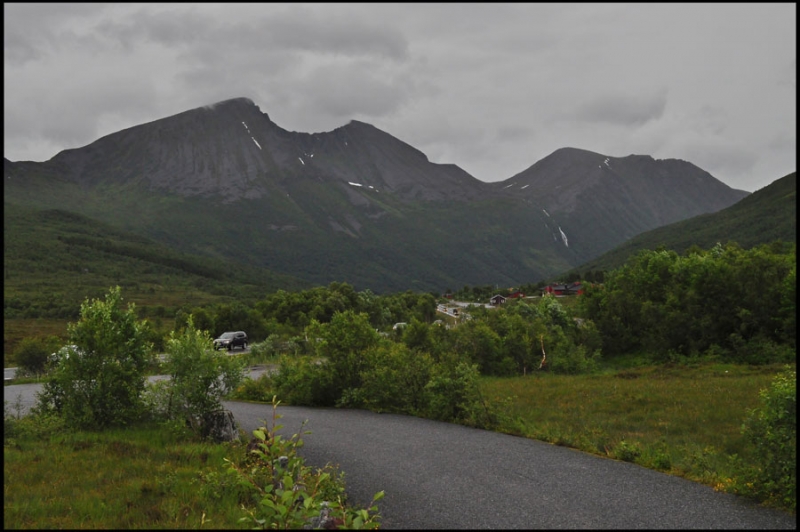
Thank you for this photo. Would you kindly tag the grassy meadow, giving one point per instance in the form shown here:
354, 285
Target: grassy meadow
684, 406
682, 420
140, 477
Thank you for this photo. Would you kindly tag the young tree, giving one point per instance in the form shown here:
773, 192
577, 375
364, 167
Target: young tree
343, 344
99, 381
417, 336
199, 375
32, 353
772, 429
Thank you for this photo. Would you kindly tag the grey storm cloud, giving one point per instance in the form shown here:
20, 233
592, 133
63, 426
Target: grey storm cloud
514, 132
376, 95
490, 87
722, 157
623, 109
292, 30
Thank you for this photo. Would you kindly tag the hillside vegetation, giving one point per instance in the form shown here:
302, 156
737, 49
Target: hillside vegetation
767, 215
664, 324
55, 259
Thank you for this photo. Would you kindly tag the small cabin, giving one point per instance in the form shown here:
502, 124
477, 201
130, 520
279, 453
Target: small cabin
497, 300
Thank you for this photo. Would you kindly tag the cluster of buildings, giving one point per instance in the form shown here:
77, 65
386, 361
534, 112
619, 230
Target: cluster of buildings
557, 289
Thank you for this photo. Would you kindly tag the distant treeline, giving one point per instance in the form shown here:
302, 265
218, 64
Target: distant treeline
725, 303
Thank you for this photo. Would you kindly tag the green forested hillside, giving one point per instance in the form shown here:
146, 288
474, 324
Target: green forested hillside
54, 259
766, 216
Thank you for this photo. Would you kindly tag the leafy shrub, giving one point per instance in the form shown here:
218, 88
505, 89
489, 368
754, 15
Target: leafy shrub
31, 355
760, 350
9, 424
627, 451
289, 494
663, 303
340, 351
156, 400
99, 382
264, 350
454, 396
32, 426
573, 359
772, 429
200, 376
301, 381
394, 381
564, 355
343, 344
662, 460
259, 389
220, 484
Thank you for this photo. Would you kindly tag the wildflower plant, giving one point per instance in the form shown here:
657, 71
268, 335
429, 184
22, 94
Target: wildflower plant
772, 428
290, 494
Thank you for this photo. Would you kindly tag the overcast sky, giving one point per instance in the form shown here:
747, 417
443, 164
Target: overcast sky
492, 88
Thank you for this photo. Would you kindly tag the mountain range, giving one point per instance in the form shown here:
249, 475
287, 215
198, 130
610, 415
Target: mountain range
356, 204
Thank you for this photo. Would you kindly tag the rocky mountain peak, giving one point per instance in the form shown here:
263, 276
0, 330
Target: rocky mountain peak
357, 203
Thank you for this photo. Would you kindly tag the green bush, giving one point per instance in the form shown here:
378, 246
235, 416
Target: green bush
760, 350
99, 382
572, 359
264, 350
301, 381
454, 396
627, 451
31, 355
200, 376
32, 426
259, 389
343, 344
772, 429
394, 381
660, 459
288, 494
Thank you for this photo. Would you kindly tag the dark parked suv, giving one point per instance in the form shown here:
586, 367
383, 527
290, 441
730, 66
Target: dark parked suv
229, 340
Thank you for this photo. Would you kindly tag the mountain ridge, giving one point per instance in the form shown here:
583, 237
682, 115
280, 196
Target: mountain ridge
767, 215
356, 204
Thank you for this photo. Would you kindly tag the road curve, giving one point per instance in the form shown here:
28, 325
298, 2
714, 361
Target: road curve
439, 475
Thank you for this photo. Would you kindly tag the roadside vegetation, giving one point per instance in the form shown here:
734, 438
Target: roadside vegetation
135, 454
681, 363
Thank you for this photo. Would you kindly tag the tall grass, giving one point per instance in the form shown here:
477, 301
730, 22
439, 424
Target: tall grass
141, 477
682, 420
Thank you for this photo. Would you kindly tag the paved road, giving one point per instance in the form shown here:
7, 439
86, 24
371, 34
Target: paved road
437, 475
9, 373
24, 395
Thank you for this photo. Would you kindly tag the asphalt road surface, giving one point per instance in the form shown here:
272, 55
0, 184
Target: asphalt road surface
439, 475
443, 476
